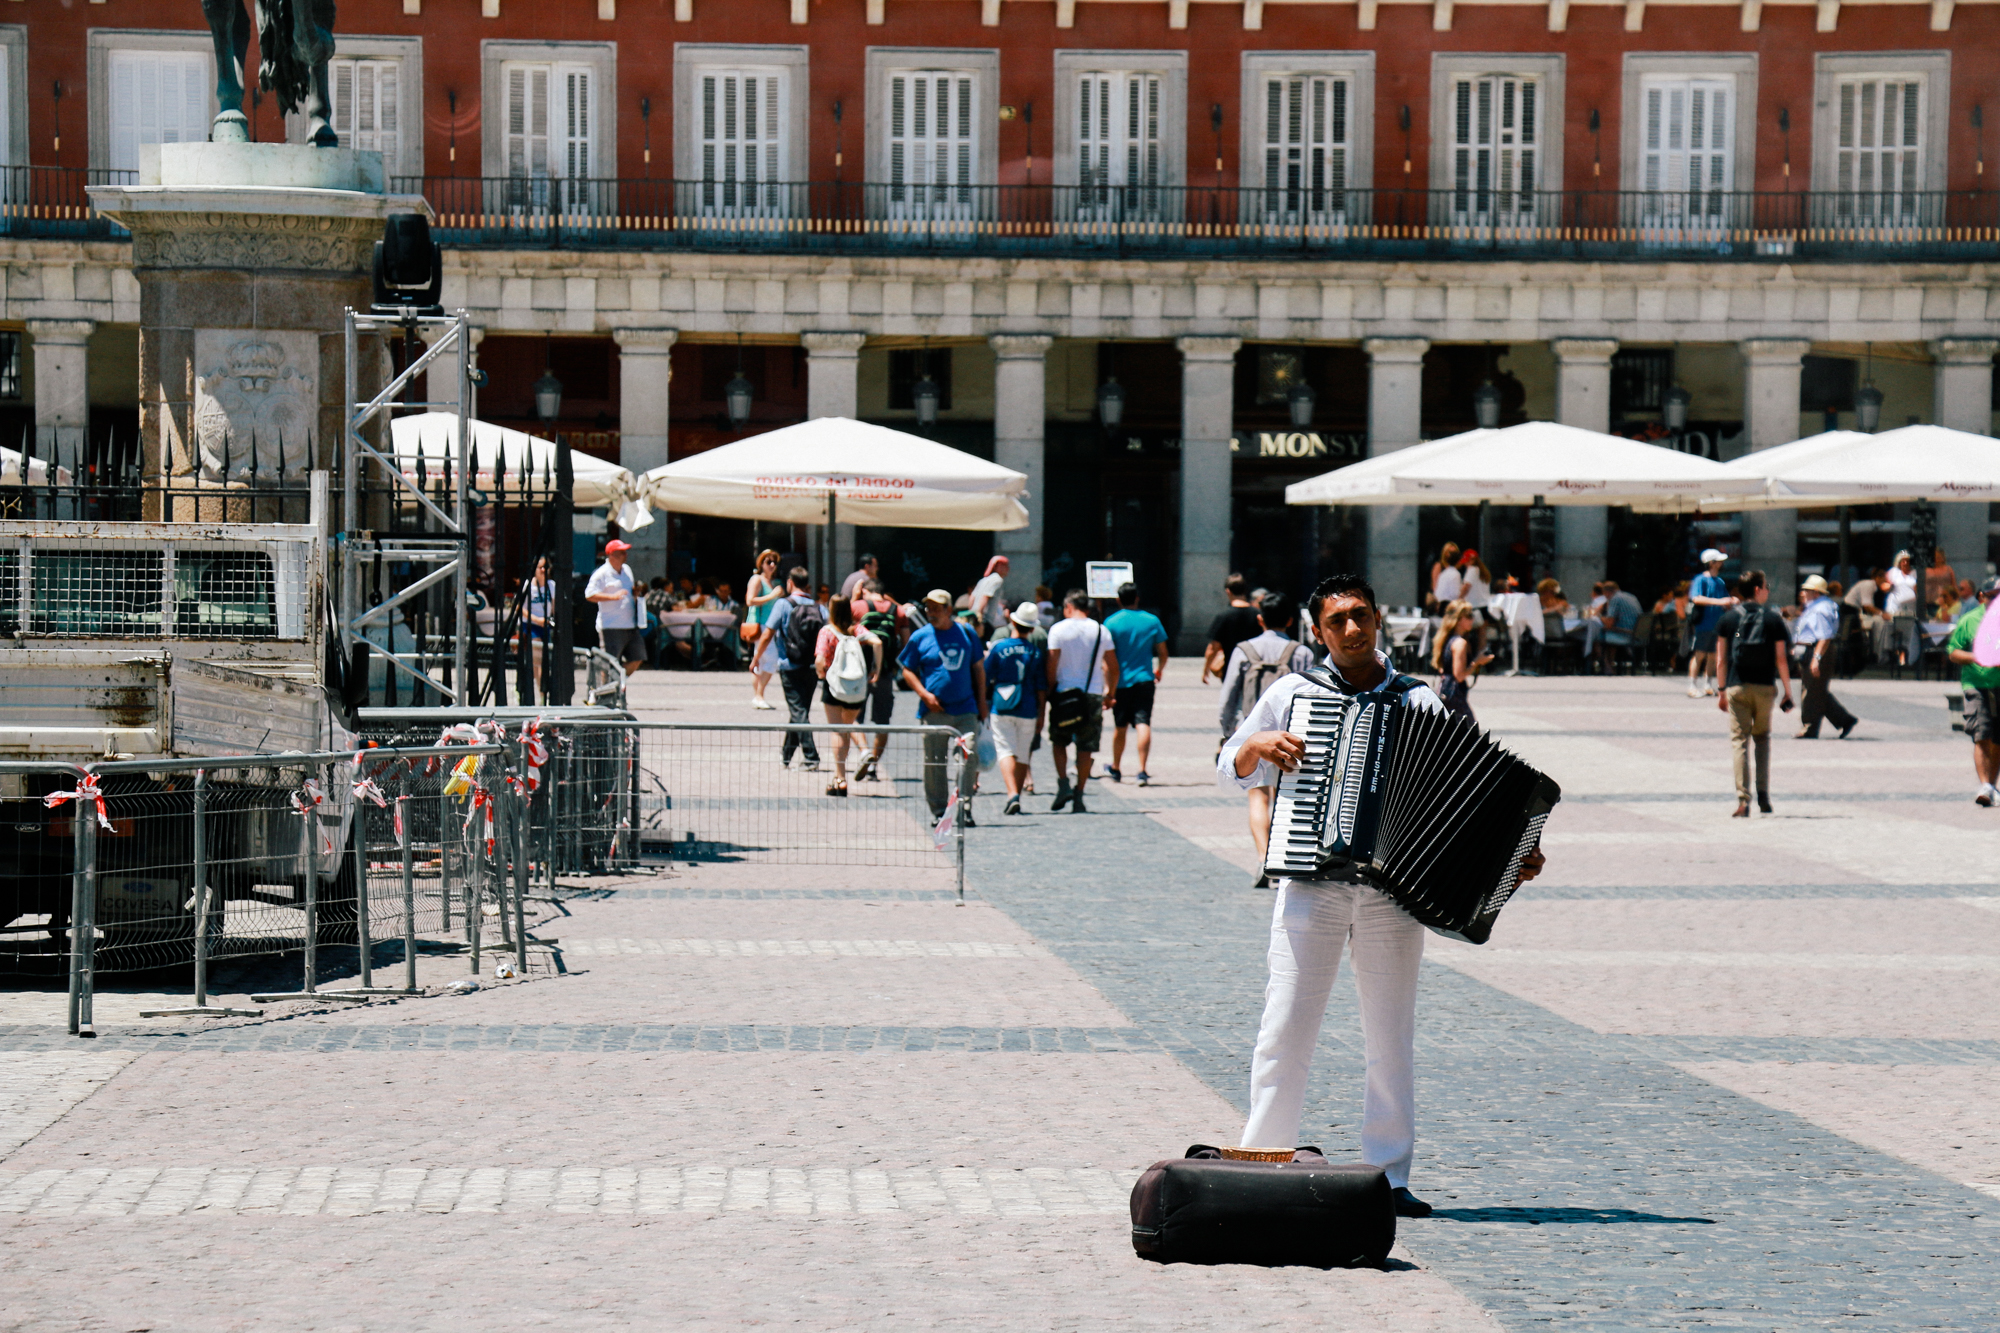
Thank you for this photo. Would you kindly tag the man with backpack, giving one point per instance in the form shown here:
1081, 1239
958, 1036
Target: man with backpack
1752, 651
880, 614
1255, 665
794, 625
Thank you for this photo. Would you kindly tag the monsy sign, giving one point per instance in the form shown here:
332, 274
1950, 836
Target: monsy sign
1299, 444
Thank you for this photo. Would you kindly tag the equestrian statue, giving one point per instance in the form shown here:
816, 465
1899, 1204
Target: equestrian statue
294, 42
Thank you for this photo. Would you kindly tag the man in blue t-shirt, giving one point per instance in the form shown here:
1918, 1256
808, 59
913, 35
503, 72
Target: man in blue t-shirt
1140, 641
1708, 601
944, 663
1017, 677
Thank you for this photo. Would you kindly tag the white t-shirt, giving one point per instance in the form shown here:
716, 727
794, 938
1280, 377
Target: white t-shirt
614, 615
1072, 636
1476, 592
1448, 586
1902, 593
990, 588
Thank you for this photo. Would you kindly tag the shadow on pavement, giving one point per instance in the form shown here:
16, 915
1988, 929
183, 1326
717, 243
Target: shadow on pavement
1535, 1217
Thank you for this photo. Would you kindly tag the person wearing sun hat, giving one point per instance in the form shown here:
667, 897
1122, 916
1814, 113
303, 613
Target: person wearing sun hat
1708, 600
1813, 648
621, 616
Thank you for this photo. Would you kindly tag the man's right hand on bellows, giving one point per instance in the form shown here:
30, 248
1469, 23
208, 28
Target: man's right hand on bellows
1278, 747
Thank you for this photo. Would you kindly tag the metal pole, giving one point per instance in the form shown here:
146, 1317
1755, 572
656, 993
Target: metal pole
409, 893
86, 1019
357, 847
200, 887
462, 582
308, 862
519, 845
474, 895
959, 856
76, 923
350, 484
562, 560
1846, 532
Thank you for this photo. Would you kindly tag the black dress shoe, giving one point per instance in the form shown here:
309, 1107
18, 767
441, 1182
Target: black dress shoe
1764, 805
1849, 727
1409, 1205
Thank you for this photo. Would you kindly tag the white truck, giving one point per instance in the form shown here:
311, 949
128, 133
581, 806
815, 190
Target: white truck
165, 640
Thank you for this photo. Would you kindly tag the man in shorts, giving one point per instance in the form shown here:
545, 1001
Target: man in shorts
1140, 641
1017, 684
1083, 682
1982, 696
621, 616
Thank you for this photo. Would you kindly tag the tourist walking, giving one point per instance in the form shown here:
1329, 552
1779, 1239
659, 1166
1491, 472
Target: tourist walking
944, 663
877, 611
1452, 657
1708, 599
1017, 687
989, 598
760, 596
1140, 641
538, 609
1751, 658
847, 659
869, 568
1237, 623
1083, 682
1255, 666
793, 629
1982, 696
1815, 635
621, 616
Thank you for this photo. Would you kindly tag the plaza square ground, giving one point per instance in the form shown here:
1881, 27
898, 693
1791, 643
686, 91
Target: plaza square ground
1709, 1073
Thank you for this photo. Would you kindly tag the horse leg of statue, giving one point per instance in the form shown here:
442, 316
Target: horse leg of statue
229, 26
315, 37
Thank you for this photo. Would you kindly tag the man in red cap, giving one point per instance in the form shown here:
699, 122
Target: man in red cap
621, 616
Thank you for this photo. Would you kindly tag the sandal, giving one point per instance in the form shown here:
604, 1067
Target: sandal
837, 789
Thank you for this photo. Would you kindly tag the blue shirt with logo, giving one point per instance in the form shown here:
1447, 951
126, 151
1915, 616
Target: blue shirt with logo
1708, 585
1016, 662
1134, 634
943, 661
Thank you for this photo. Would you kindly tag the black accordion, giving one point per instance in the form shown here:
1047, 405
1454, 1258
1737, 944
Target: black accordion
1419, 804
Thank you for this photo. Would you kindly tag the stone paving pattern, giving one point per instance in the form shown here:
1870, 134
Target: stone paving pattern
1709, 1074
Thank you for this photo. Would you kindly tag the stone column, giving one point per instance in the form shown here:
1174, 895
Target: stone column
62, 389
833, 389
1771, 368
1395, 421
1583, 399
1962, 399
1208, 393
1020, 387
645, 370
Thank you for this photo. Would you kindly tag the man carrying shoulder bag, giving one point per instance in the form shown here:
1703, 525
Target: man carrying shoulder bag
1083, 680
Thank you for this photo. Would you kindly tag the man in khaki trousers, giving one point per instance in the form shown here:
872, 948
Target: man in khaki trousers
1752, 652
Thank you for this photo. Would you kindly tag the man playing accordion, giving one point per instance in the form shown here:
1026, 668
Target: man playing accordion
1312, 921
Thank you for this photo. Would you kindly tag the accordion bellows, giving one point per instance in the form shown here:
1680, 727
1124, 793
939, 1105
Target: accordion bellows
1420, 804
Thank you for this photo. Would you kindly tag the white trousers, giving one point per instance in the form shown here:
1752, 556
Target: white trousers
1309, 925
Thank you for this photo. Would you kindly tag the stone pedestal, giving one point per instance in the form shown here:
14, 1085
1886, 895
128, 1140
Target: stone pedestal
247, 255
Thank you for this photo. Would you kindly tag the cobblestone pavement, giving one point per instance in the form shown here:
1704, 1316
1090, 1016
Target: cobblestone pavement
1709, 1074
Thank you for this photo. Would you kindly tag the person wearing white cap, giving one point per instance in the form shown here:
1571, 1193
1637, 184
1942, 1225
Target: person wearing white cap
1813, 648
1901, 606
1016, 682
1708, 599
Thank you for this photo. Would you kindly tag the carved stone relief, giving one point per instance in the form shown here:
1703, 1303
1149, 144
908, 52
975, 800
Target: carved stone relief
256, 404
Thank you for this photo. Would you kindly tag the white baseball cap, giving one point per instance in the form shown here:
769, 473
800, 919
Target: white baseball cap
1711, 555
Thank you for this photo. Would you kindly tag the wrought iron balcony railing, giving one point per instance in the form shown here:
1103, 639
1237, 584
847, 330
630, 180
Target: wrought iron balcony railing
1112, 221
1108, 221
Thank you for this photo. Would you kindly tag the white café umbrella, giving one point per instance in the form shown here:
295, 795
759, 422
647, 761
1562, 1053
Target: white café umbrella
834, 468
1536, 462
38, 470
1846, 467
528, 462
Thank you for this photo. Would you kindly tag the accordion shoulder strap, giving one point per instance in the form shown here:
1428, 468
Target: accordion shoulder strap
1395, 687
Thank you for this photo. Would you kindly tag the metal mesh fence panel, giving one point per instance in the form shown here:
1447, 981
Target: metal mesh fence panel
638, 792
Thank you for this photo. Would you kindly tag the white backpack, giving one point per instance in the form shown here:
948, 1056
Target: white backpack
847, 674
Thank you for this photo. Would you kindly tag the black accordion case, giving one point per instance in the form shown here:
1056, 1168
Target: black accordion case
1309, 1212
1420, 804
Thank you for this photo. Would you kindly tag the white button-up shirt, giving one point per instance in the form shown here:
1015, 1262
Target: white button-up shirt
1274, 711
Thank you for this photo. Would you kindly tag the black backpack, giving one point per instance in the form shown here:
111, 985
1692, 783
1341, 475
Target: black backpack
802, 626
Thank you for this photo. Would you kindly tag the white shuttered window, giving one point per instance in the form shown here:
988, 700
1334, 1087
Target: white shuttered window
1118, 143
156, 97
931, 144
742, 117
1496, 142
1878, 164
1687, 136
365, 107
1305, 145
550, 114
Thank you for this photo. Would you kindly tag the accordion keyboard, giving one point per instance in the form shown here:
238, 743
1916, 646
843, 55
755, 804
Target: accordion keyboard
1298, 810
